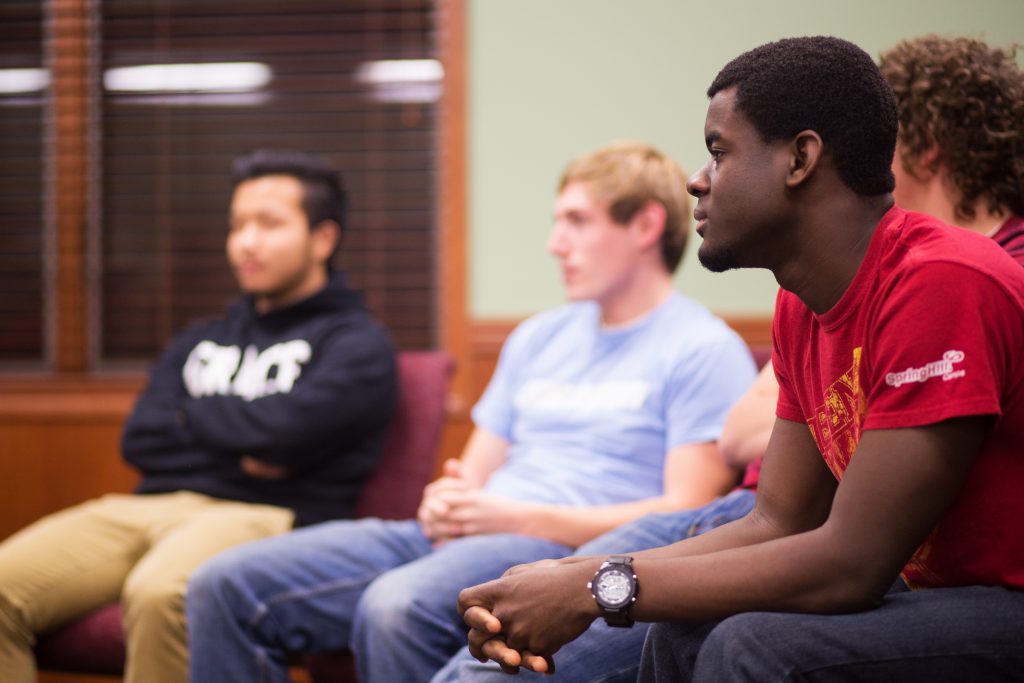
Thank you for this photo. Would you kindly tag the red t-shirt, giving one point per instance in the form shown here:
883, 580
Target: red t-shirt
931, 328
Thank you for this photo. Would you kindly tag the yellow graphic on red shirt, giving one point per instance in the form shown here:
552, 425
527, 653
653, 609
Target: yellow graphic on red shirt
836, 426
838, 422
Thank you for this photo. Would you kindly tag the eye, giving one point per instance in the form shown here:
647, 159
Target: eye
269, 221
575, 220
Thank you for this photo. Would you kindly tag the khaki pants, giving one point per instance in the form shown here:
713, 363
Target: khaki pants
136, 549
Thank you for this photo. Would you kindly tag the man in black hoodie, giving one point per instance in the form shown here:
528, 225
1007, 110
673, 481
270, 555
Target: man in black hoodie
269, 417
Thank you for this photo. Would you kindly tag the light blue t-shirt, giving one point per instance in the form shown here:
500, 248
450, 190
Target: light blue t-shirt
591, 413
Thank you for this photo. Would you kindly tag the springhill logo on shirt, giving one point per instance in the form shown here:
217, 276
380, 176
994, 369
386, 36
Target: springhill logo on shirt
941, 368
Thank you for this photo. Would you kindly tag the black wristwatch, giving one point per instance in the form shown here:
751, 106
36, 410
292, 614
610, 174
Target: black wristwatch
615, 589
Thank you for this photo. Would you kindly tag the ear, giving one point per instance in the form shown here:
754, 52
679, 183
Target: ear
806, 151
926, 164
325, 236
649, 223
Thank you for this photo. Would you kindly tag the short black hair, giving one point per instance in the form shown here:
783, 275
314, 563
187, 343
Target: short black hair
323, 196
827, 85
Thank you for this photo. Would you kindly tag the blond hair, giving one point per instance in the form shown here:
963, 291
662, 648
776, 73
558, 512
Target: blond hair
627, 175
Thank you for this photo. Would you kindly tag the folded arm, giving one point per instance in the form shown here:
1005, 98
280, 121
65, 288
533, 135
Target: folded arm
346, 393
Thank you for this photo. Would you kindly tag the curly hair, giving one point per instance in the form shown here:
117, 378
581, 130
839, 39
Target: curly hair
967, 99
827, 85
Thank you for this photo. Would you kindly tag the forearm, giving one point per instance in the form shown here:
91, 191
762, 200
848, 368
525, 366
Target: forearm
748, 530
710, 581
290, 429
695, 477
574, 526
271, 425
484, 453
796, 574
155, 429
544, 605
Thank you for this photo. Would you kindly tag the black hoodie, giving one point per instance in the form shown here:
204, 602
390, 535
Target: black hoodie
310, 387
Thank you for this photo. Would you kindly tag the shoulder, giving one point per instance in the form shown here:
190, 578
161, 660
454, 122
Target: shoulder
541, 328
686, 312
923, 239
354, 334
940, 260
690, 327
335, 311
683, 342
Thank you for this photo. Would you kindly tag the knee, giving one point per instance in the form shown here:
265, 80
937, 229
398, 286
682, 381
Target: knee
217, 586
152, 601
392, 605
660, 638
211, 579
737, 649
385, 605
659, 659
13, 624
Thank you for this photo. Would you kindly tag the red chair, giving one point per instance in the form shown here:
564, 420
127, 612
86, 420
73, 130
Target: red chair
94, 644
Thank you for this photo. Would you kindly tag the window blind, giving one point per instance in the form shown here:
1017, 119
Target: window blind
23, 82
350, 80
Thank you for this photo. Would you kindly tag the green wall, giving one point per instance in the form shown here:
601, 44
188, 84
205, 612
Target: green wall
552, 79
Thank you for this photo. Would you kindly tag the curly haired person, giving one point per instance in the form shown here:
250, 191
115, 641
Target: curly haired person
960, 150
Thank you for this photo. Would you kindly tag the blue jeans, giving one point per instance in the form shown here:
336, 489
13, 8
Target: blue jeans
375, 586
604, 654
939, 635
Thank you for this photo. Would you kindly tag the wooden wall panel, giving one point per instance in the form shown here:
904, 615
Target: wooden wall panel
60, 447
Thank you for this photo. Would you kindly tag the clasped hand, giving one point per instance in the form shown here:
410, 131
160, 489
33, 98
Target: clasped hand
452, 507
526, 616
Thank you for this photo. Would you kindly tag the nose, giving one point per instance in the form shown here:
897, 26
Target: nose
245, 235
556, 245
697, 185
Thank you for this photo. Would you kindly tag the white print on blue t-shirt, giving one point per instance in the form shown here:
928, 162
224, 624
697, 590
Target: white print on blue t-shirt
212, 369
586, 397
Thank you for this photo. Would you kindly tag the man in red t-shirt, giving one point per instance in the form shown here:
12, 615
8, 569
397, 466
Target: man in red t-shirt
899, 444
958, 102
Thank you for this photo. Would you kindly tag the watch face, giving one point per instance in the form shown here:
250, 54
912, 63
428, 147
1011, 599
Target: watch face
615, 587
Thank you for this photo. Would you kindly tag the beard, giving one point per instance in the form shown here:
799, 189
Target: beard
717, 260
